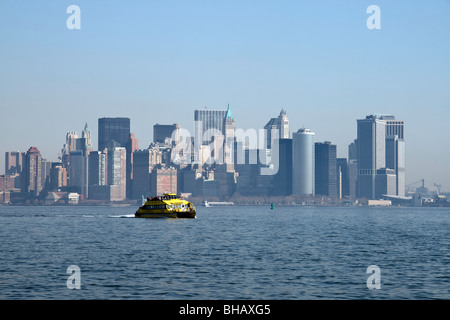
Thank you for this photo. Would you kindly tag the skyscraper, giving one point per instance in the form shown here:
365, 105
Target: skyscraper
303, 162
113, 132
14, 162
131, 147
325, 169
117, 164
352, 169
280, 125
230, 134
342, 177
32, 175
78, 171
282, 180
98, 168
371, 144
85, 142
395, 153
161, 132
208, 123
380, 146
143, 163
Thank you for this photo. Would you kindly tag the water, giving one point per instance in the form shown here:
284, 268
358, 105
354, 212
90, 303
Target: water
226, 253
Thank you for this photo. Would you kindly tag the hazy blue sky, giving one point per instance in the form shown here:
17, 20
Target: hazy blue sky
157, 61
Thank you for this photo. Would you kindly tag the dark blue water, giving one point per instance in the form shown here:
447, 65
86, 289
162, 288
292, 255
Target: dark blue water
226, 253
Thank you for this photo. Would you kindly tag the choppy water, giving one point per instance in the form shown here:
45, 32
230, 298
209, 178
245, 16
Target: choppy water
226, 253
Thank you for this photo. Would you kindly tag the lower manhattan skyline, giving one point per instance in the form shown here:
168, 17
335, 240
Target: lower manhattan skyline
224, 157
157, 62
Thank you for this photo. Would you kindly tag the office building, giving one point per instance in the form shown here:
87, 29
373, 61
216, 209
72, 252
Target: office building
279, 126
117, 164
58, 176
78, 172
113, 132
85, 142
98, 168
143, 163
162, 133
395, 153
352, 169
380, 146
14, 162
208, 123
325, 169
303, 162
342, 178
163, 180
371, 150
282, 180
386, 183
131, 147
32, 173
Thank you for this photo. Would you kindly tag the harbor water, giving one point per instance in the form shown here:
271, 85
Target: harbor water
227, 252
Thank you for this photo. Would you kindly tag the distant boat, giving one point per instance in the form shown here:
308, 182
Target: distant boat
217, 203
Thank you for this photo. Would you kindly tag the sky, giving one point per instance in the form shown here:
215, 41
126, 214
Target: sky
158, 61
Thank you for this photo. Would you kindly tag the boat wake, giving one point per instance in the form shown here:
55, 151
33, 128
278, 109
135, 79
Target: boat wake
123, 216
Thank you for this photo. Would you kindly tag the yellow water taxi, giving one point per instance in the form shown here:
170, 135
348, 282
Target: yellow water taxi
169, 205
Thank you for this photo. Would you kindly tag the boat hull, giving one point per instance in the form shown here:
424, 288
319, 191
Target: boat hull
172, 215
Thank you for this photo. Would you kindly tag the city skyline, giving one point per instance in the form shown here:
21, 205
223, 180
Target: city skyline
155, 63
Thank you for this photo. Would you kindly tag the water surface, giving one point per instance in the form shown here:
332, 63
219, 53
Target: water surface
226, 253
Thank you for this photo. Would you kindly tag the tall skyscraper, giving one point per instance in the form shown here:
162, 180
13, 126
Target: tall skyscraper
78, 172
395, 153
131, 147
342, 177
208, 123
58, 176
303, 162
113, 132
143, 163
98, 168
282, 180
353, 169
85, 142
14, 162
280, 125
229, 140
32, 173
117, 163
161, 132
325, 169
371, 144
380, 146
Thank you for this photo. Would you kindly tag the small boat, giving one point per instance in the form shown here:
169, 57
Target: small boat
216, 203
169, 205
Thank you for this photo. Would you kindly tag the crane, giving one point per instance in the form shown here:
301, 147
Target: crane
422, 180
438, 188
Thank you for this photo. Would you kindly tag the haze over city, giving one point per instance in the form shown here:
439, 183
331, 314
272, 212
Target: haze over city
156, 62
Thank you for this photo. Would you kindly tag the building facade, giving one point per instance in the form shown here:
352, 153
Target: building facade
303, 162
325, 169
113, 132
380, 146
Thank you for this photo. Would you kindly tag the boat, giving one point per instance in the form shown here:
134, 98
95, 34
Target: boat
169, 205
216, 203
